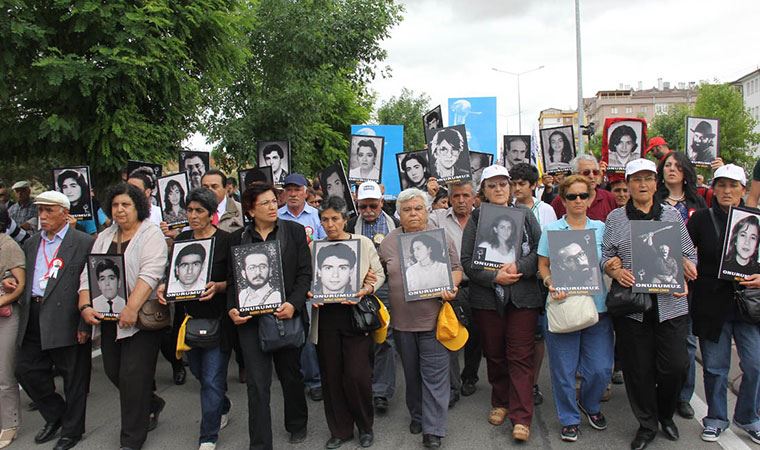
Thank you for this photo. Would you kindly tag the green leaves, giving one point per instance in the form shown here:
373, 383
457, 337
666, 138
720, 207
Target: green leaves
407, 110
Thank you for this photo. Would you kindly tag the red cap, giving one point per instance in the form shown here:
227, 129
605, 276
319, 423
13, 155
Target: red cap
654, 142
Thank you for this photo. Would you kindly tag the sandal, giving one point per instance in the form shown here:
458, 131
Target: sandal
521, 432
497, 415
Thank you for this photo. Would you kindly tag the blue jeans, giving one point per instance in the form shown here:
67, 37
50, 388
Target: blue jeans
209, 366
716, 360
688, 386
591, 353
310, 366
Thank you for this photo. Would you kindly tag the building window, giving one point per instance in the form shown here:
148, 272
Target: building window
644, 109
661, 108
613, 110
628, 110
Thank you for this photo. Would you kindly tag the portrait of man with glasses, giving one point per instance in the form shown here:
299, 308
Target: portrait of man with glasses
575, 263
258, 276
449, 155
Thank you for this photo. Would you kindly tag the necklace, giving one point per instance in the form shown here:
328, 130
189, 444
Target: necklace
677, 200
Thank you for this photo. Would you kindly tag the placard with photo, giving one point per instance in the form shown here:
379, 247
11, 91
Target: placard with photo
172, 192
336, 270
740, 245
623, 140
433, 119
449, 154
413, 170
656, 257
702, 136
276, 154
155, 169
557, 148
478, 162
195, 164
259, 285
108, 284
246, 177
365, 158
75, 183
516, 150
575, 262
425, 264
189, 269
334, 183
499, 237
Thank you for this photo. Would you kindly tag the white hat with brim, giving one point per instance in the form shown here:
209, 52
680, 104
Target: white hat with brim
494, 171
369, 190
52, 198
639, 165
20, 185
732, 172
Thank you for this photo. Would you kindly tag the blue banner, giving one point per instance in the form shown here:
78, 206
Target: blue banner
478, 115
394, 143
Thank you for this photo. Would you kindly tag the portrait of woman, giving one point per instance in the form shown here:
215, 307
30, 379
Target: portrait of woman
414, 171
174, 203
560, 150
364, 158
499, 244
428, 271
742, 249
623, 146
73, 184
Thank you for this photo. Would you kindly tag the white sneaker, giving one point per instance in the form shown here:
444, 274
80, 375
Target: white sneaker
225, 418
207, 446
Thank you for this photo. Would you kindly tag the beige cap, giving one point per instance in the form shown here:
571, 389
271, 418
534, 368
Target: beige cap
20, 185
52, 198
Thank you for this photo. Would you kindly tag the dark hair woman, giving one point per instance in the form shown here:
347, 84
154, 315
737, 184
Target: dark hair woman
74, 186
559, 147
174, 203
677, 185
414, 169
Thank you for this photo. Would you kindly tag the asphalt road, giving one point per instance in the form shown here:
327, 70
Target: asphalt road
467, 425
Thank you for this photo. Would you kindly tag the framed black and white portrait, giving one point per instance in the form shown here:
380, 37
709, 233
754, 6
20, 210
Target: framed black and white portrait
449, 154
433, 119
623, 140
425, 264
275, 154
75, 183
413, 169
365, 158
557, 148
575, 262
246, 177
478, 162
656, 257
189, 269
108, 284
334, 183
499, 236
740, 245
516, 150
336, 270
259, 285
195, 164
172, 192
156, 170
702, 135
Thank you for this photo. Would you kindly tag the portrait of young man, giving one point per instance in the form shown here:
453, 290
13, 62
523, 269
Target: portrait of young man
275, 154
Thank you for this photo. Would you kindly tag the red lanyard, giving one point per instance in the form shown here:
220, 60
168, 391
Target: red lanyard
49, 263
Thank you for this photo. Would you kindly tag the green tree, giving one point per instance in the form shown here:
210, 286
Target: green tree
407, 110
671, 126
305, 81
93, 82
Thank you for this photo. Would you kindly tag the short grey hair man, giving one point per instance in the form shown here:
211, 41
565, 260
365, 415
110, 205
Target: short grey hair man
575, 162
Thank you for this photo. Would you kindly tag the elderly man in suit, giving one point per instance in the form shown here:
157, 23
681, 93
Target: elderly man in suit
49, 323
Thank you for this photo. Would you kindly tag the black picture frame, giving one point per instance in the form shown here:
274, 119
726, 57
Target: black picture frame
176, 290
273, 294
433, 119
656, 270
740, 220
69, 180
105, 262
416, 163
487, 253
613, 134
355, 160
284, 157
177, 219
188, 163
568, 152
574, 259
442, 144
709, 129
334, 260
510, 152
334, 182
254, 175
478, 162
424, 282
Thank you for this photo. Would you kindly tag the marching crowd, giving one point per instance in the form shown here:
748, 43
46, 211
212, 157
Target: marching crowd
47, 320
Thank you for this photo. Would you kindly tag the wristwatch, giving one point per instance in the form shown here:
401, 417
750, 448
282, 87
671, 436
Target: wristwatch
85, 306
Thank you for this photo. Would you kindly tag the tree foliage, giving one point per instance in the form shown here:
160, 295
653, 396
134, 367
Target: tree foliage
93, 82
407, 110
305, 80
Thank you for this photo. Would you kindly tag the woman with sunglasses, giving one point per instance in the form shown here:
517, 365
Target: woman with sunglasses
588, 351
602, 202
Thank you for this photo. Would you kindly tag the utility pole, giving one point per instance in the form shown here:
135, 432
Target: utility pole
580, 74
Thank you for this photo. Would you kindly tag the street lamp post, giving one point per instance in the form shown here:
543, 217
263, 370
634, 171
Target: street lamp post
580, 73
519, 106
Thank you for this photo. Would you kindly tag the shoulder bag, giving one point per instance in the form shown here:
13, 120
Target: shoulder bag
621, 301
365, 315
203, 333
276, 334
574, 313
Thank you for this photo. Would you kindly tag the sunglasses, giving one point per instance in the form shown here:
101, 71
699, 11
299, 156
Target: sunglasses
573, 197
588, 172
370, 206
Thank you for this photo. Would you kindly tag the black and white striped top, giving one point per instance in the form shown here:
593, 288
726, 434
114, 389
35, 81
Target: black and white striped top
617, 242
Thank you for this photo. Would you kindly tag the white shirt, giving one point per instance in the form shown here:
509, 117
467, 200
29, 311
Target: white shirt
155, 214
265, 295
222, 208
543, 212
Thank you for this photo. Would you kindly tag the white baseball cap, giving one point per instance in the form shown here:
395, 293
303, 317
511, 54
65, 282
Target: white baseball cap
369, 190
639, 165
52, 198
732, 172
494, 171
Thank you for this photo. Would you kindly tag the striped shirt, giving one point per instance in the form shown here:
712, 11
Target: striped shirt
617, 242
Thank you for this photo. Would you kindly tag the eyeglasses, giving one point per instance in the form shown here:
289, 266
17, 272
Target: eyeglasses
369, 205
573, 197
257, 267
267, 202
588, 172
501, 184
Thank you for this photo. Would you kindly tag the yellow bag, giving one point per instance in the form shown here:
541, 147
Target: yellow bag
381, 333
181, 346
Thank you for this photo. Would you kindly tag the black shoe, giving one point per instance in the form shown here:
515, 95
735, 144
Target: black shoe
468, 388
315, 394
380, 404
670, 430
366, 439
66, 443
125, 448
336, 442
641, 441
453, 399
157, 407
180, 374
685, 410
431, 441
538, 397
48, 432
415, 427
297, 437
241, 375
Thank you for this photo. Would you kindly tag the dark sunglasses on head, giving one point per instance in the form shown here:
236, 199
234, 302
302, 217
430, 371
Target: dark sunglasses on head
572, 197
588, 172
371, 206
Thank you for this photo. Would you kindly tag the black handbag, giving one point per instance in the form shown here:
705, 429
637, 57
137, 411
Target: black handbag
203, 333
276, 334
365, 315
621, 301
748, 304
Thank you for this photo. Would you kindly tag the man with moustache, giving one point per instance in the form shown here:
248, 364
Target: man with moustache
257, 270
195, 168
516, 151
573, 261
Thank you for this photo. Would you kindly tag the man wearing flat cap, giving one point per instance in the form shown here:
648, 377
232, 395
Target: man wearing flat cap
702, 146
49, 323
23, 212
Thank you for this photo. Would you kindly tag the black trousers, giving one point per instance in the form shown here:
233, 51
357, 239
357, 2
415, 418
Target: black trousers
130, 364
34, 371
655, 361
287, 363
473, 352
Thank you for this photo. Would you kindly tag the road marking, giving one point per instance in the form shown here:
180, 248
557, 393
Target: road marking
728, 439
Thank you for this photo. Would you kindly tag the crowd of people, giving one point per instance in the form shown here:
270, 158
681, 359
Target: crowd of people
47, 316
